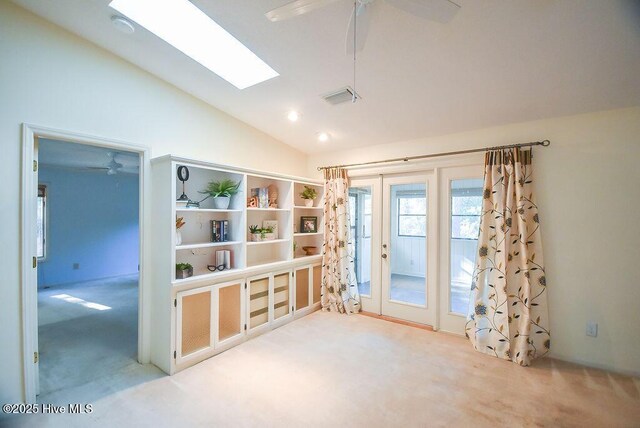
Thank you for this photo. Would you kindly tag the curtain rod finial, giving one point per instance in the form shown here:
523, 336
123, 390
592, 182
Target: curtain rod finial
545, 143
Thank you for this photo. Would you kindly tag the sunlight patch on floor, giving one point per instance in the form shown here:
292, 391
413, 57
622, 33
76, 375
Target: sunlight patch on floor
90, 305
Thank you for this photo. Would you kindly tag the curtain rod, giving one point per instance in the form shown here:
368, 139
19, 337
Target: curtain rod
543, 143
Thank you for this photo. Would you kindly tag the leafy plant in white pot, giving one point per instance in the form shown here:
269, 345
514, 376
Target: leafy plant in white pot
259, 234
221, 192
309, 194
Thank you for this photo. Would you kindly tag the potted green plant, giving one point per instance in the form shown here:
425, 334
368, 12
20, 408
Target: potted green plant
259, 234
183, 270
309, 194
221, 192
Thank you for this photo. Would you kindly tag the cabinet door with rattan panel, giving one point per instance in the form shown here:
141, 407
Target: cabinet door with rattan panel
230, 310
317, 283
194, 321
302, 287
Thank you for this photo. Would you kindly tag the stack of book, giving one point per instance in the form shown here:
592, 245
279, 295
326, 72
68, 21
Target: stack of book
219, 230
223, 258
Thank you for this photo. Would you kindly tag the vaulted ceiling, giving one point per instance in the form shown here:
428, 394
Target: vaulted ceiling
497, 62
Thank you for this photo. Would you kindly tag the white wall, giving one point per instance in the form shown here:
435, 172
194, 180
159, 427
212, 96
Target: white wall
588, 189
49, 77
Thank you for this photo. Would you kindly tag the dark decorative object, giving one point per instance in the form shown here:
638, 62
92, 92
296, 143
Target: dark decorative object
309, 250
183, 175
308, 224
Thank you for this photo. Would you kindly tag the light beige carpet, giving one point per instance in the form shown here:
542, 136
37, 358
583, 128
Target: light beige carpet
335, 370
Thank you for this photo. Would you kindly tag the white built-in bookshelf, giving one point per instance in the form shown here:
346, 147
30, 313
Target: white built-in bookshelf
266, 283
196, 247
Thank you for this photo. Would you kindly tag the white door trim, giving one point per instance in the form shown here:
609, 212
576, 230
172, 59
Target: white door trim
28, 275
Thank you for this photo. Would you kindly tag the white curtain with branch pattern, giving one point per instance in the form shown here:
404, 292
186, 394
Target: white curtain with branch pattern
508, 314
339, 285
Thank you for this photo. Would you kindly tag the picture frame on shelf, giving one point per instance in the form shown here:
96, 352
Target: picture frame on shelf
273, 224
309, 224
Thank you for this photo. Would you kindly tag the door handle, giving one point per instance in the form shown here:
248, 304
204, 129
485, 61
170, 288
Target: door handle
384, 256
384, 245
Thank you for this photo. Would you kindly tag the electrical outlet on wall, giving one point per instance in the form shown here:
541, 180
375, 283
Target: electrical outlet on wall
76, 266
592, 329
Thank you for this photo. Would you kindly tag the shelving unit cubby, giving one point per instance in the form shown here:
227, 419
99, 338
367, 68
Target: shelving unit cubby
200, 316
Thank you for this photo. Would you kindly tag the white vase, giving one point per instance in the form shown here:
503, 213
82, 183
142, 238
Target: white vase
178, 237
308, 203
221, 202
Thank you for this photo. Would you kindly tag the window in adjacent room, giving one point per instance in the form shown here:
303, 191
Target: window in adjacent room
412, 214
41, 225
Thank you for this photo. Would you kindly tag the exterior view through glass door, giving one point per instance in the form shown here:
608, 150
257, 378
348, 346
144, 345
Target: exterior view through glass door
460, 210
398, 252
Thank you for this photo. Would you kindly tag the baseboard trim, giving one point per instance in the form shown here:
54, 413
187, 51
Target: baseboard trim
598, 366
397, 321
68, 284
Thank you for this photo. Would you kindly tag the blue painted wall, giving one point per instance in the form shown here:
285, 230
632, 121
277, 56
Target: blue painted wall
93, 221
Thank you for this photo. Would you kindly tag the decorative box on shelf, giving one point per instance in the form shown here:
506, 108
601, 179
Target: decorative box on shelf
183, 270
259, 237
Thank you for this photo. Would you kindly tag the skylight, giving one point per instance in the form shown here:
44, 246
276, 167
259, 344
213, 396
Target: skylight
191, 31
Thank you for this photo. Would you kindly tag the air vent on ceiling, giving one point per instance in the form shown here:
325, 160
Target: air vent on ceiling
341, 96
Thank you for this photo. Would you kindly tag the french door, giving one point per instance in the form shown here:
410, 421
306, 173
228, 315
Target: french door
392, 218
414, 239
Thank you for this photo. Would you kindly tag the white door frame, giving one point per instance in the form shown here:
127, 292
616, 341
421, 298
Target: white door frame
28, 274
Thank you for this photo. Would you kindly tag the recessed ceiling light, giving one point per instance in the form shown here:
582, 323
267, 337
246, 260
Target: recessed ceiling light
123, 24
191, 31
323, 137
293, 116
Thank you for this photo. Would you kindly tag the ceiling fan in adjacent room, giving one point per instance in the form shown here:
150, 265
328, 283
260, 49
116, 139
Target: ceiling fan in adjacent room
112, 167
441, 11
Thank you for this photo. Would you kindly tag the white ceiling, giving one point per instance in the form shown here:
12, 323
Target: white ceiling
84, 157
497, 62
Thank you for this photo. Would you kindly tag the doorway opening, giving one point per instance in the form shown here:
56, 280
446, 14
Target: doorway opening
85, 328
88, 264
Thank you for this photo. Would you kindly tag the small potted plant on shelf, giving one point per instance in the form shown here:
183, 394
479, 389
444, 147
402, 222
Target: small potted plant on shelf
309, 194
183, 270
259, 234
221, 192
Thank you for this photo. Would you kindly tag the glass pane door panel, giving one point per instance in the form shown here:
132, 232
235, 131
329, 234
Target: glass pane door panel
258, 302
196, 322
466, 207
281, 295
408, 234
361, 214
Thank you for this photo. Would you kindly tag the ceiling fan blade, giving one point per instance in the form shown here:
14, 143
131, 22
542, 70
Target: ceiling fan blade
295, 8
363, 16
441, 11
